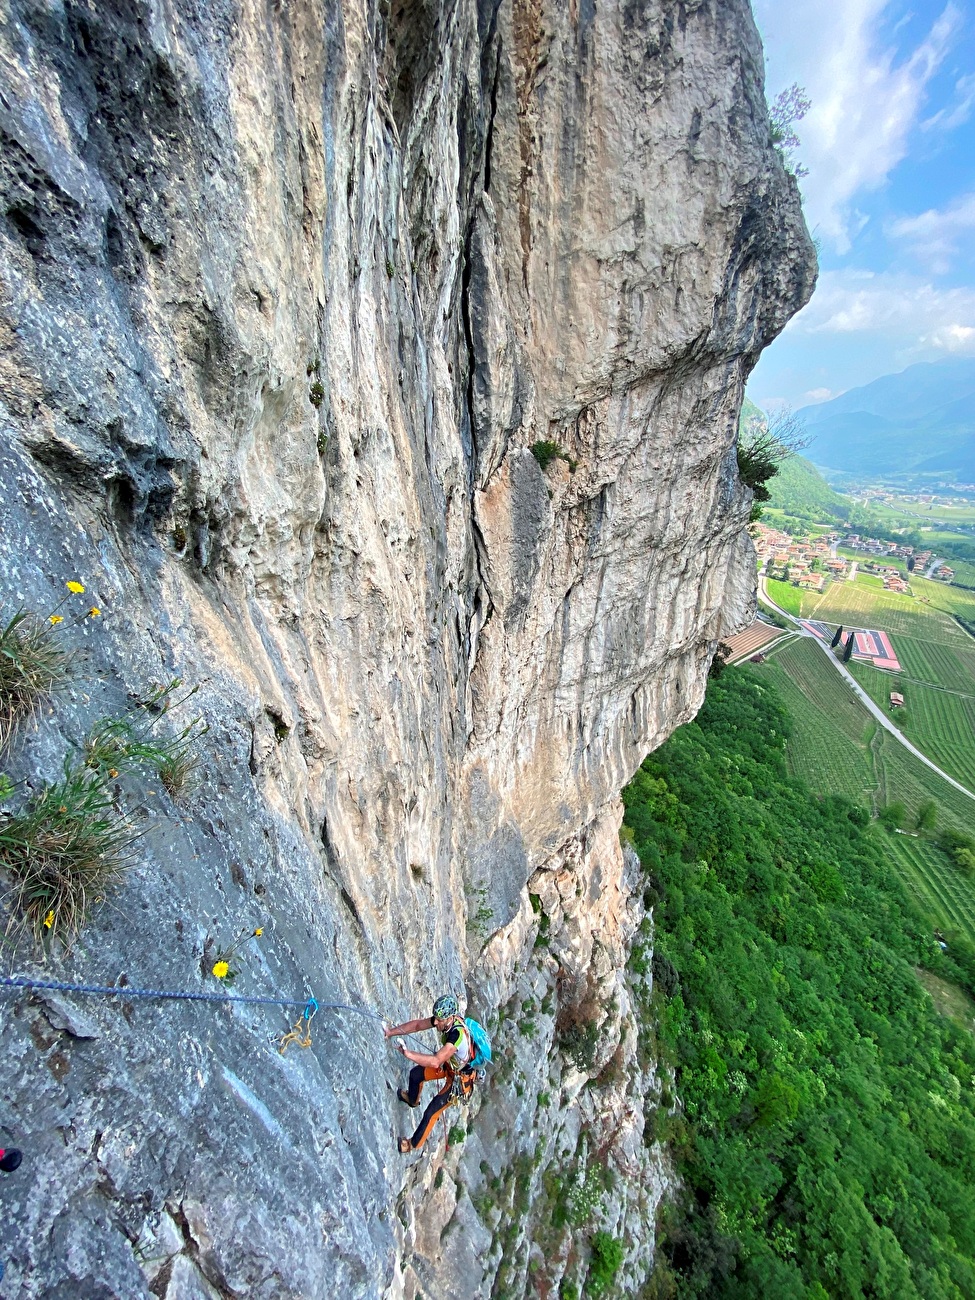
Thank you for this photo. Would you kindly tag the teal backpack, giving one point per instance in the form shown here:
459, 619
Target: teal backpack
482, 1045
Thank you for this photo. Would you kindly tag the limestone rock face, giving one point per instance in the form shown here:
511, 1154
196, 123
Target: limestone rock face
288, 295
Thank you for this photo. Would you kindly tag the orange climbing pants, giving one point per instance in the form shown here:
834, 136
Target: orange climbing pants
419, 1075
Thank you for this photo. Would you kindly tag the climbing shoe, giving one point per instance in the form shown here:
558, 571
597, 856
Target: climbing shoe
404, 1097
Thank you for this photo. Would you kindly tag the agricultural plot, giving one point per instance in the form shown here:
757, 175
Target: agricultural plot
829, 746
746, 643
941, 892
941, 725
949, 665
851, 603
838, 748
935, 653
948, 599
786, 596
901, 777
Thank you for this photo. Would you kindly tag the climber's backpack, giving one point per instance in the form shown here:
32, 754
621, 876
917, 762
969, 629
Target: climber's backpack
481, 1044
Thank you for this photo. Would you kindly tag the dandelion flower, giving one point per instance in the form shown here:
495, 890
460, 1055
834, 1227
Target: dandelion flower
221, 969
56, 618
49, 919
76, 587
259, 931
113, 772
94, 612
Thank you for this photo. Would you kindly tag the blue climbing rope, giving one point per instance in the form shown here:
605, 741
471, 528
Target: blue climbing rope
311, 1005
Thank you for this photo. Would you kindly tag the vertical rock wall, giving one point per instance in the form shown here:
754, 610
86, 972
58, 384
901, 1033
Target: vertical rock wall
287, 294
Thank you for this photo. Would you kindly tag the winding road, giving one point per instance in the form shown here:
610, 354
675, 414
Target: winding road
852, 682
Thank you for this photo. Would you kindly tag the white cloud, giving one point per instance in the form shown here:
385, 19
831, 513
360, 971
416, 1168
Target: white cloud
934, 237
865, 100
953, 338
817, 395
958, 113
911, 312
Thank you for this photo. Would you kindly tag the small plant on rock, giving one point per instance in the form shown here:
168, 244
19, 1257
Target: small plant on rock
788, 107
64, 851
764, 445
114, 745
33, 662
223, 967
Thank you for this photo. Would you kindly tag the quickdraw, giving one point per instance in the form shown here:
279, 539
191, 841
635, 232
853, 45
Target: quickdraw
300, 1032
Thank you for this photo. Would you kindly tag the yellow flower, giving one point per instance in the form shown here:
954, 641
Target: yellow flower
56, 618
76, 587
221, 969
113, 772
94, 612
259, 931
49, 919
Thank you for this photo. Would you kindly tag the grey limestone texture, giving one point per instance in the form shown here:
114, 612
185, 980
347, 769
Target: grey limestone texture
288, 292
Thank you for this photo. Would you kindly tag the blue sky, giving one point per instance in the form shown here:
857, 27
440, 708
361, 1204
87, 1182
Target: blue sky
890, 196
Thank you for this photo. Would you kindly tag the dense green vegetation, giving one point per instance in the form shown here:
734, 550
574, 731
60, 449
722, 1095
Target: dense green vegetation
825, 1135
801, 491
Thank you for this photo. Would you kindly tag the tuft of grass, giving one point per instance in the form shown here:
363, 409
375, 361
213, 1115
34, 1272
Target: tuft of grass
114, 745
64, 852
33, 663
178, 771
456, 1136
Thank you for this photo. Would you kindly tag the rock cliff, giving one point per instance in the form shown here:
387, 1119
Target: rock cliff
289, 294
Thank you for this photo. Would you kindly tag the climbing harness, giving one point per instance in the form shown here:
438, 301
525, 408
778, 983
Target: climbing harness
300, 1034
301, 1030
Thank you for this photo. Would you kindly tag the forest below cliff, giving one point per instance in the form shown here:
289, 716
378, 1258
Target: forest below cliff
818, 1108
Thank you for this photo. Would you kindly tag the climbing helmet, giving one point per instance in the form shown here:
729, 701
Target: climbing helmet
444, 1007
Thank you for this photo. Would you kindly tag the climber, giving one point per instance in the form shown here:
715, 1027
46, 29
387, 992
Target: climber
453, 1063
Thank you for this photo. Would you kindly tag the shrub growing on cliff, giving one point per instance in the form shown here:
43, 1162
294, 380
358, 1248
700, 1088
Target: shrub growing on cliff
604, 1264
121, 744
788, 107
762, 447
545, 452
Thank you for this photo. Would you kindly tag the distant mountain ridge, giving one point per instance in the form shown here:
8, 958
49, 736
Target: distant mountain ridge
920, 420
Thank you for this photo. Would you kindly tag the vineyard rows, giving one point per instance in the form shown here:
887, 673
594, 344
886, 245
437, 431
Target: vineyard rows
947, 897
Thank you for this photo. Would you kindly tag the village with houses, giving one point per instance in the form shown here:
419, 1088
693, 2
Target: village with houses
811, 562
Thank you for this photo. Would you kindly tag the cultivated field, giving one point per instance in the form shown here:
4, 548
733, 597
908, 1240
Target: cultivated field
942, 894
786, 596
838, 748
937, 657
751, 639
864, 606
938, 722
